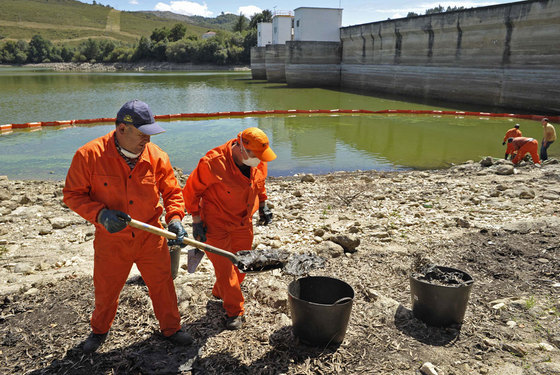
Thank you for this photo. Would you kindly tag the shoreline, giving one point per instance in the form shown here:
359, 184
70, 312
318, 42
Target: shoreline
135, 67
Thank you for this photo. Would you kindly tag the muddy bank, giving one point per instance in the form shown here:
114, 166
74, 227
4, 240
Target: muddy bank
137, 67
496, 222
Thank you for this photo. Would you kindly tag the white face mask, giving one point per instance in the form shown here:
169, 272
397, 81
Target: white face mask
129, 154
250, 161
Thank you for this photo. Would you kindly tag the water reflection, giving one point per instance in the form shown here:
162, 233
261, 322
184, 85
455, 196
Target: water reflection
313, 144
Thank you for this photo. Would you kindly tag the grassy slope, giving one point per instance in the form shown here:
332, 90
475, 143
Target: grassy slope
70, 20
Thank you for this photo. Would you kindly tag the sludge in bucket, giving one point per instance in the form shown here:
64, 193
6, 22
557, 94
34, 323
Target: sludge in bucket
320, 308
441, 305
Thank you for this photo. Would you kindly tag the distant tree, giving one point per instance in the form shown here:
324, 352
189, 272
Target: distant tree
178, 32
264, 16
39, 49
143, 50
90, 50
14, 52
159, 35
250, 40
66, 53
241, 23
438, 9
411, 14
159, 50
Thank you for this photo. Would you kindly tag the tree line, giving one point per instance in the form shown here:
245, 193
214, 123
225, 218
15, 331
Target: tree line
171, 45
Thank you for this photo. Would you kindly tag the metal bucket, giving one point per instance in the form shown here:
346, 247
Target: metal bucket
440, 305
320, 308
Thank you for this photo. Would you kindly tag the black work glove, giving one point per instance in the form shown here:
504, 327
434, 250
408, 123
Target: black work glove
113, 220
503, 143
176, 227
199, 231
265, 215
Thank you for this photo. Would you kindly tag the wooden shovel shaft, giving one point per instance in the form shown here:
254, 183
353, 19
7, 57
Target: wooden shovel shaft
187, 241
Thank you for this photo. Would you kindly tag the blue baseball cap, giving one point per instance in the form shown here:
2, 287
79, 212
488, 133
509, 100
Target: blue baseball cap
137, 113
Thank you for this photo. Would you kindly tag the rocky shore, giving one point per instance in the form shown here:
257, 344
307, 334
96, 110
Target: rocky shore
136, 67
498, 223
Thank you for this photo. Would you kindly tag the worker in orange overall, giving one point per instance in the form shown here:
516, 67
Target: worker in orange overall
523, 146
511, 133
222, 194
110, 178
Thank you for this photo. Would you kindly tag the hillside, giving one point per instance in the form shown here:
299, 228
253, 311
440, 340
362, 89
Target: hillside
72, 21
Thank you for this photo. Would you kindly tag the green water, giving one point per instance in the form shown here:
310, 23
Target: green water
315, 144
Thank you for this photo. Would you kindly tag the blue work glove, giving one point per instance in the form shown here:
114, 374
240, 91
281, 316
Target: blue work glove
176, 227
113, 220
199, 231
265, 215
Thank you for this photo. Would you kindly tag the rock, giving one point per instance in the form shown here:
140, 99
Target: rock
44, 230
526, 193
319, 232
349, 243
307, 178
283, 320
462, 223
272, 293
5, 195
517, 349
511, 324
549, 368
499, 306
487, 161
297, 193
62, 222
505, 170
329, 249
428, 369
24, 268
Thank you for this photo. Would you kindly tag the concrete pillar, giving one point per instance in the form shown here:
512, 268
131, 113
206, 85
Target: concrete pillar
258, 67
275, 62
313, 64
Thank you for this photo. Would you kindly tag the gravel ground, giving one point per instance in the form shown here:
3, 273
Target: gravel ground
497, 223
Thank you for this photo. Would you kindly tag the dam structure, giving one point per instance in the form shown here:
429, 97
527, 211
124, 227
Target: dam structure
505, 56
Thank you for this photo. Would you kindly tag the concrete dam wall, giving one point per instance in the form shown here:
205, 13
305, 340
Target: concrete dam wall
504, 56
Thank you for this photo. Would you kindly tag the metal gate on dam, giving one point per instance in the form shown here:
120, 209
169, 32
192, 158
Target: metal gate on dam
504, 55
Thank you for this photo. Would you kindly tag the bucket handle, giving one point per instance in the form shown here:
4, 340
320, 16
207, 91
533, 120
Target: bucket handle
343, 300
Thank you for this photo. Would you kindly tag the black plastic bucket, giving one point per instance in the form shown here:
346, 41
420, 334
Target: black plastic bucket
440, 305
320, 308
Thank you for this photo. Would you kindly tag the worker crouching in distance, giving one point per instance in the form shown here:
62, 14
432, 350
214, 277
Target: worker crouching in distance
222, 194
523, 146
511, 133
114, 176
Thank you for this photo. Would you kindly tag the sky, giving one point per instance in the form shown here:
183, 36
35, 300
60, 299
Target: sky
354, 12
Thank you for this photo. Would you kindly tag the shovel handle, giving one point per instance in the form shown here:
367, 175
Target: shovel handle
187, 241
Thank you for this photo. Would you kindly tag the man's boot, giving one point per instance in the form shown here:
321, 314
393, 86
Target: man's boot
93, 342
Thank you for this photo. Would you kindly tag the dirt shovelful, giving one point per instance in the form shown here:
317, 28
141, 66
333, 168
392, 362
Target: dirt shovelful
436, 275
495, 222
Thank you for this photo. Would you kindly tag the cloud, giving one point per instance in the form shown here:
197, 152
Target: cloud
133, 2
249, 10
188, 8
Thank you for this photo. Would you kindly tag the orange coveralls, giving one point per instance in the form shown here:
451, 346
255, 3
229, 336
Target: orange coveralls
226, 200
512, 133
100, 178
524, 145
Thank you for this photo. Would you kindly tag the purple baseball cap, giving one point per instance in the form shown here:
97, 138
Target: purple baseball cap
137, 113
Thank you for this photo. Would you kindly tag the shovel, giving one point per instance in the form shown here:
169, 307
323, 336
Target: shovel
245, 260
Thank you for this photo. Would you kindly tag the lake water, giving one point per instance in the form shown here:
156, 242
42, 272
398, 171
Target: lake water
313, 144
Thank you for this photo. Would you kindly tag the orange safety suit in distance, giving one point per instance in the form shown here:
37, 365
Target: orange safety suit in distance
100, 178
226, 200
524, 145
512, 133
